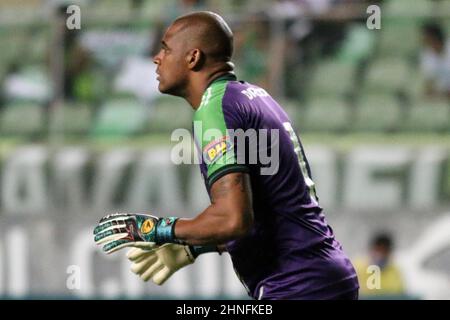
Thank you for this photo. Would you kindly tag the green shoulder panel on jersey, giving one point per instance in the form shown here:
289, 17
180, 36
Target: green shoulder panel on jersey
210, 132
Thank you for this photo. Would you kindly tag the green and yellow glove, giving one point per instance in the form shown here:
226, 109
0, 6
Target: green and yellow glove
119, 230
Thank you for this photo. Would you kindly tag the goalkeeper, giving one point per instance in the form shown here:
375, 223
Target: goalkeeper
269, 221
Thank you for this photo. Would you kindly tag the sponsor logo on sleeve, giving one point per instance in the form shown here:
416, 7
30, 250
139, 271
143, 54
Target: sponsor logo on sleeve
216, 149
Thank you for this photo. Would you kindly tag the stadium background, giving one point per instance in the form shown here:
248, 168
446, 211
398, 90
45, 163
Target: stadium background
84, 132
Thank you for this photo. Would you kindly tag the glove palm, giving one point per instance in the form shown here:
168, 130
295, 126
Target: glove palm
160, 263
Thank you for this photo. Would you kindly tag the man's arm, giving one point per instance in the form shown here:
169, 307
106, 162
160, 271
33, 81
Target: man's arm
229, 216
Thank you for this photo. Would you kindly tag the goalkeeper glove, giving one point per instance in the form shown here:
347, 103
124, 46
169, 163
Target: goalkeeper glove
120, 230
160, 263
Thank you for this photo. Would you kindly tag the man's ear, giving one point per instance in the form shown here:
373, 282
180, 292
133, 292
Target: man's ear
195, 59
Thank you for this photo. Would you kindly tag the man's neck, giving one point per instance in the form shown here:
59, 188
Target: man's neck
194, 96
199, 85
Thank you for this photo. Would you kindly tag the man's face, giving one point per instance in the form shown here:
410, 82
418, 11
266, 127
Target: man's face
171, 63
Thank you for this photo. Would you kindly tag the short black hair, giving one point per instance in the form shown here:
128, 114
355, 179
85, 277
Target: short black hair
434, 30
383, 239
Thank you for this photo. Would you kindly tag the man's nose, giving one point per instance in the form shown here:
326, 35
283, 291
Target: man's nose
156, 59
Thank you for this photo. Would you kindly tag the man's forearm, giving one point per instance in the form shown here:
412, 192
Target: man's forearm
209, 228
229, 216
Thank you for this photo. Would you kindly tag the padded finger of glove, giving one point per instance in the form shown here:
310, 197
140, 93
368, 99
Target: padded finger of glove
161, 276
137, 253
157, 266
146, 263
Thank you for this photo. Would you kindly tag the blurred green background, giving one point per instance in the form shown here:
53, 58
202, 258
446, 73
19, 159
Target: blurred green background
80, 106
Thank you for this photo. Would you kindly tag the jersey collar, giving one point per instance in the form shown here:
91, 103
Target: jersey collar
225, 77
207, 93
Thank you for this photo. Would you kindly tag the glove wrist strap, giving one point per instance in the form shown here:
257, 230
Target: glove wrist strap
165, 231
198, 250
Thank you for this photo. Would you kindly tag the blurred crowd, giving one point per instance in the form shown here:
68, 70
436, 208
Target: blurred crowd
378, 274
319, 56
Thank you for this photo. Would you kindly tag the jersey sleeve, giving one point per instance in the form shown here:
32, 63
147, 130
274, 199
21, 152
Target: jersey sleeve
212, 122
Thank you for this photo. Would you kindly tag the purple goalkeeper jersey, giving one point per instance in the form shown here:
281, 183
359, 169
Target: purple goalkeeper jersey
290, 251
